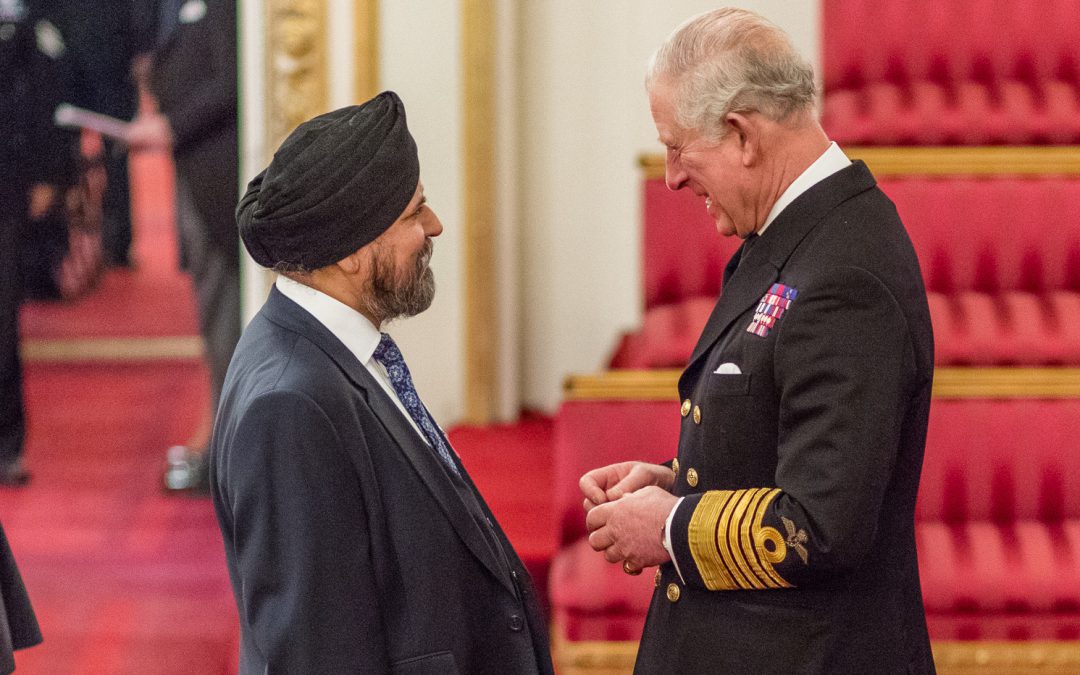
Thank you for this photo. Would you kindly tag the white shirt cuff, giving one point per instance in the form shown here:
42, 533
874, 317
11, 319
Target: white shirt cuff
667, 539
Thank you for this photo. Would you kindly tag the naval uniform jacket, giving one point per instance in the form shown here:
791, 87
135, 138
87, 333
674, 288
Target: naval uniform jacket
351, 548
799, 461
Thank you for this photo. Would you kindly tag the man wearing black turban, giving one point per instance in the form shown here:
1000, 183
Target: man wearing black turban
355, 540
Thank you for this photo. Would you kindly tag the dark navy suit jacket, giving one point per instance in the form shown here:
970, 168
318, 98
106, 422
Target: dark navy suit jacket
351, 548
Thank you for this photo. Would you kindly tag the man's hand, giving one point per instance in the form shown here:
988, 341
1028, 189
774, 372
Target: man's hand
150, 132
611, 482
42, 199
631, 528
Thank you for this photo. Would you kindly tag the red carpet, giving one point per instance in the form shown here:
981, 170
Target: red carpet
124, 579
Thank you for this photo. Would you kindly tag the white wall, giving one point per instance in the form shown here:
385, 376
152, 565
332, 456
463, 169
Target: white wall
420, 60
584, 121
569, 214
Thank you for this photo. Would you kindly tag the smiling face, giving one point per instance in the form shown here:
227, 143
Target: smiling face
716, 170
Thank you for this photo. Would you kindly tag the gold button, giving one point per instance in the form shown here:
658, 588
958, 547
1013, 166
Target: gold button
673, 592
685, 408
675, 466
656, 579
691, 477
697, 415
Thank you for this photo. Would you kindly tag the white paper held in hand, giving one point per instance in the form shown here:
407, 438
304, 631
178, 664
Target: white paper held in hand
67, 115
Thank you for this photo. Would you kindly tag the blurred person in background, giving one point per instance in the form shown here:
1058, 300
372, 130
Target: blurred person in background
106, 39
37, 163
193, 78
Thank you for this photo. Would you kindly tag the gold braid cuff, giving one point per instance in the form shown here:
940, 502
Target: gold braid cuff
730, 547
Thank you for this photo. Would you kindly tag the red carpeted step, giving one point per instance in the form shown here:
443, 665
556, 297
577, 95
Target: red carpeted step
123, 579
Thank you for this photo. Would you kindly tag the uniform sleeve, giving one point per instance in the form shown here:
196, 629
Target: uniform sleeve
844, 368
302, 544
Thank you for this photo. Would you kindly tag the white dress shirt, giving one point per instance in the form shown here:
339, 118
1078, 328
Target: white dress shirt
354, 330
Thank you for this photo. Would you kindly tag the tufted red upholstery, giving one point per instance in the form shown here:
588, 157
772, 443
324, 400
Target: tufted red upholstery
591, 599
997, 520
1000, 257
951, 73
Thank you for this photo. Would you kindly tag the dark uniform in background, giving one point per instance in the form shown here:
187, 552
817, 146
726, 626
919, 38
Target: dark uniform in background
33, 153
36, 157
18, 625
104, 37
193, 77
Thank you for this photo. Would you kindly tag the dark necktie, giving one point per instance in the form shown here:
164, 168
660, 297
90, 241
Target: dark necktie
733, 265
747, 244
388, 354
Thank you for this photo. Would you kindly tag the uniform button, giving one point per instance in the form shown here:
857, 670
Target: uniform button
697, 415
675, 466
691, 477
685, 408
673, 592
516, 623
656, 579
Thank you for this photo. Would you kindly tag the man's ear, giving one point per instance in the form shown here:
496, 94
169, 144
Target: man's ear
748, 132
352, 263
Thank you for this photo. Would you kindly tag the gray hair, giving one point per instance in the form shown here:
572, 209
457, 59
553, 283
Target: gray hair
731, 60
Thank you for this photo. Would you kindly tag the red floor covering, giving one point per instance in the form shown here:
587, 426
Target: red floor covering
125, 580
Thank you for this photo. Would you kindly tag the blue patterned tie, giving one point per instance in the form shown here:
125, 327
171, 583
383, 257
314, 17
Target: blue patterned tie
388, 354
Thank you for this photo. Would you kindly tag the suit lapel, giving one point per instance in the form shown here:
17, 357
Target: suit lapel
423, 459
770, 253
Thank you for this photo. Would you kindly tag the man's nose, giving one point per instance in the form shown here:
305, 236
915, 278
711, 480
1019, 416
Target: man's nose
432, 224
674, 175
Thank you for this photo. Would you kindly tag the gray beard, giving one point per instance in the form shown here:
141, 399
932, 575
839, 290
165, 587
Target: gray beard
389, 298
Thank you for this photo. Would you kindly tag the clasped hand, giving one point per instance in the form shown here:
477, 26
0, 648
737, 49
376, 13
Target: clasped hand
626, 505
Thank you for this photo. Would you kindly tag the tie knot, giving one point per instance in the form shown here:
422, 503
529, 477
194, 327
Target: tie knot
387, 352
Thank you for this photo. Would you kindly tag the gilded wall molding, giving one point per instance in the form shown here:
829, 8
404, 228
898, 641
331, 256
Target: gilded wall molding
949, 382
366, 51
481, 300
1004, 160
297, 80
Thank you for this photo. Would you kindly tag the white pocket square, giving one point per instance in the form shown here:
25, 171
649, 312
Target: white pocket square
727, 369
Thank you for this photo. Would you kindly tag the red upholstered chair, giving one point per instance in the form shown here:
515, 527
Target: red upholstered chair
956, 72
591, 599
1001, 261
998, 520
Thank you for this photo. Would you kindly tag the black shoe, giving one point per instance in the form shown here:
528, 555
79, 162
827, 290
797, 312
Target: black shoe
187, 472
13, 474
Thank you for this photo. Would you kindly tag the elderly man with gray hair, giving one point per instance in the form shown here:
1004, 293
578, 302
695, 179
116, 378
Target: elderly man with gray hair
783, 530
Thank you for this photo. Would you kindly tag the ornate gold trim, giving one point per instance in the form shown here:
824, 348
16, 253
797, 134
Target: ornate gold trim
180, 347
950, 657
645, 385
1016, 160
296, 66
478, 140
1006, 657
366, 15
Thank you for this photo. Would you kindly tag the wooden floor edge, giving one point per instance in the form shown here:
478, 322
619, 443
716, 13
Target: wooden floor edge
109, 349
949, 382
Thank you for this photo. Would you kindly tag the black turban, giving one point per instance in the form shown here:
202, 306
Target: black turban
336, 183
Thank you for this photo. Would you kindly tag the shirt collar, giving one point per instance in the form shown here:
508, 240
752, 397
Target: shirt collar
355, 331
830, 161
